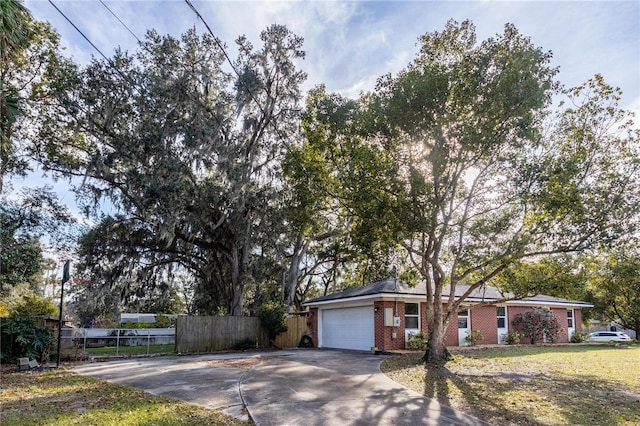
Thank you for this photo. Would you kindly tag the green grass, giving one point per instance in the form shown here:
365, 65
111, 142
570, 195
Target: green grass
531, 385
60, 397
130, 350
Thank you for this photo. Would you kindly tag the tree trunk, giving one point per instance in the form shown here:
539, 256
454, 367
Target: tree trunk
236, 284
299, 252
436, 348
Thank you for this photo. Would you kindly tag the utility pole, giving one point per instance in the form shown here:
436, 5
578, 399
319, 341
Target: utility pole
65, 278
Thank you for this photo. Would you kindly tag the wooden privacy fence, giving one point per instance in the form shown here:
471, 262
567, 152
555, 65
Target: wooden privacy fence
210, 334
296, 328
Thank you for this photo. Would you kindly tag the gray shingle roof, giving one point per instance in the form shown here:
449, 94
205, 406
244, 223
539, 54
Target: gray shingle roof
391, 287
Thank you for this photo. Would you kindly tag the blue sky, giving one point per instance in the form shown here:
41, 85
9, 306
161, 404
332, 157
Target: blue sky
350, 44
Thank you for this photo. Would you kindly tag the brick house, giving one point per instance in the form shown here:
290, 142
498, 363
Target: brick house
386, 313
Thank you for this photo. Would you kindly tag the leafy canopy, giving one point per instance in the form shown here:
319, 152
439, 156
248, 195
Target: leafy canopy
188, 154
458, 165
614, 285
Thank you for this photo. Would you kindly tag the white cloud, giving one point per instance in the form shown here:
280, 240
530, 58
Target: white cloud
350, 44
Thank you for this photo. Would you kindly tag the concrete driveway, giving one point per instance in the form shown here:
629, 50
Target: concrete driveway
296, 387
211, 381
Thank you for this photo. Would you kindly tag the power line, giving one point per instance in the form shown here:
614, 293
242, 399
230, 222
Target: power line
119, 20
224, 52
78, 29
109, 61
216, 39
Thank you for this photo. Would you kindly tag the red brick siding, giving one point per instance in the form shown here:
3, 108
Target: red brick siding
399, 341
484, 318
384, 335
423, 318
577, 318
512, 311
312, 322
451, 333
561, 313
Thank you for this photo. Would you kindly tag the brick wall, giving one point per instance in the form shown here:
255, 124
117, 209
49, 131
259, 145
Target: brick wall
512, 311
384, 334
577, 315
312, 322
561, 313
484, 318
451, 333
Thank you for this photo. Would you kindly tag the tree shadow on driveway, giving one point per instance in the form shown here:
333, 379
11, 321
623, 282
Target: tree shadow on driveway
322, 387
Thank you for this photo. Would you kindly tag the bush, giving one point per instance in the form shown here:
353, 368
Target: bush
162, 321
272, 316
130, 325
579, 336
31, 305
538, 324
245, 344
473, 337
512, 338
417, 341
23, 338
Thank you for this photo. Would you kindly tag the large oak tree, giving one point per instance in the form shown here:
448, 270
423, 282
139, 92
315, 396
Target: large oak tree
458, 162
187, 150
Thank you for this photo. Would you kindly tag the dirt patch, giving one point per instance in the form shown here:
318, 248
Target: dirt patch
243, 363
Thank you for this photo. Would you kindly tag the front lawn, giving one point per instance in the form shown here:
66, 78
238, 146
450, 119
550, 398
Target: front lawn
532, 385
60, 397
131, 350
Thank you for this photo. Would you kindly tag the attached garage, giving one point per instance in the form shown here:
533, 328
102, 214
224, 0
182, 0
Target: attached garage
348, 328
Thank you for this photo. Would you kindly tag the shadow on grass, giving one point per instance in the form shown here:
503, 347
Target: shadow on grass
60, 397
521, 399
584, 384
527, 350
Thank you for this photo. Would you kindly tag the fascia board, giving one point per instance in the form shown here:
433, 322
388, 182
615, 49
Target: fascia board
344, 300
405, 296
544, 303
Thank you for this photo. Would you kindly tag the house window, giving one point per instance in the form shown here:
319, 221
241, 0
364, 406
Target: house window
463, 319
570, 318
502, 316
411, 316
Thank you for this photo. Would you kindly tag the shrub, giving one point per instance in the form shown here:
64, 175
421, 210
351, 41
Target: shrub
31, 305
512, 338
245, 344
417, 341
579, 336
162, 321
538, 324
129, 325
22, 337
473, 337
272, 316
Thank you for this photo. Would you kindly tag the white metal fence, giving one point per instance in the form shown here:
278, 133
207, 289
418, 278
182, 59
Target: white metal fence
87, 342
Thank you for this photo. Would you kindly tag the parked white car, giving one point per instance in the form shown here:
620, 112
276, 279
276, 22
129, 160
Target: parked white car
608, 336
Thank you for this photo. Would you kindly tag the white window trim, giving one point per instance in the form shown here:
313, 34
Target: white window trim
411, 315
505, 316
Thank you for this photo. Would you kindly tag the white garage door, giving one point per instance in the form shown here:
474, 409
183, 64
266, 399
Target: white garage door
348, 328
